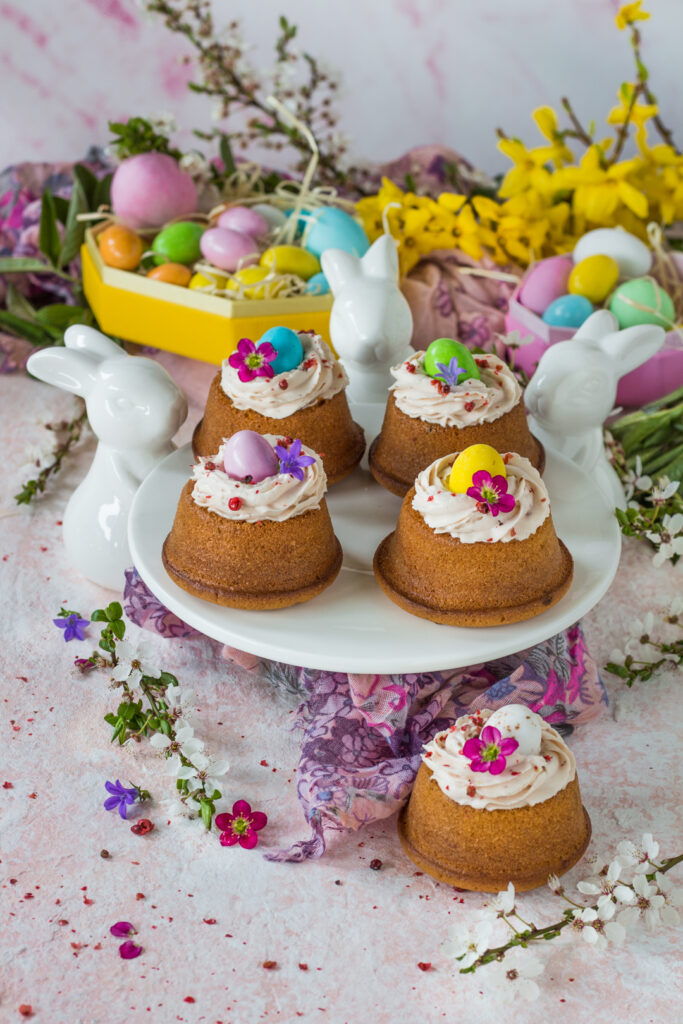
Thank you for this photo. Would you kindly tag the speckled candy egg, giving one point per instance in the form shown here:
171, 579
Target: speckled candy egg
245, 219
318, 285
545, 282
521, 724
287, 344
332, 228
120, 247
594, 278
178, 243
290, 259
149, 189
642, 301
172, 273
225, 248
248, 454
632, 256
568, 311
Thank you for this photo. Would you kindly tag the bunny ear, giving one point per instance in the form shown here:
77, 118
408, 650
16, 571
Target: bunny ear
339, 267
630, 348
381, 259
596, 326
87, 339
66, 369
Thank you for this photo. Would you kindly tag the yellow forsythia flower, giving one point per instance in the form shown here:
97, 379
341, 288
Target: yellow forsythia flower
628, 13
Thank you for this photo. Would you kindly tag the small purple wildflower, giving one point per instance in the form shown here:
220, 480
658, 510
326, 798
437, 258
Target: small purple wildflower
452, 373
128, 950
488, 751
491, 493
252, 360
73, 626
291, 459
121, 797
121, 929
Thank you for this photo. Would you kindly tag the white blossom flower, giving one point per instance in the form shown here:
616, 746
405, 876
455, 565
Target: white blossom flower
504, 902
676, 606
640, 628
673, 899
467, 944
669, 541
163, 123
648, 904
180, 702
513, 977
596, 927
204, 771
638, 857
555, 885
607, 890
195, 164
134, 662
185, 741
664, 490
635, 480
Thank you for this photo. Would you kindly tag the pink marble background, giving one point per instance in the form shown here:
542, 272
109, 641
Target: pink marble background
414, 71
208, 917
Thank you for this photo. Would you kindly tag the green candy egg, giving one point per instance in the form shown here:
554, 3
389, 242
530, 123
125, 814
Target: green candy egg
178, 243
442, 351
642, 291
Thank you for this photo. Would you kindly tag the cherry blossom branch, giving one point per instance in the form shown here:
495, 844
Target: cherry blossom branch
71, 432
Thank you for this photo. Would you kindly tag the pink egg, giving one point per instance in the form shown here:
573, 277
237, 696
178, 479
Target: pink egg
150, 189
224, 248
545, 282
244, 219
248, 454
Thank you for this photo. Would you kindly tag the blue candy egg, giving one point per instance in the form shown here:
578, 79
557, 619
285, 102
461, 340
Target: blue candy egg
332, 228
286, 343
568, 311
317, 285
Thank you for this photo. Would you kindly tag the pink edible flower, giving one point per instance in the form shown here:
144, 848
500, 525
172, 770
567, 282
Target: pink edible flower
241, 826
489, 750
491, 493
128, 950
252, 360
121, 929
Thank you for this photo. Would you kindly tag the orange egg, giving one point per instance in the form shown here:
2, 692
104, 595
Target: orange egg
120, 247
172, 273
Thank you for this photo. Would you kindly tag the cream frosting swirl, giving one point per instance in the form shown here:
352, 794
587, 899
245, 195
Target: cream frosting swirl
318, 376
471, 402
276, 498
528, 779
457, 514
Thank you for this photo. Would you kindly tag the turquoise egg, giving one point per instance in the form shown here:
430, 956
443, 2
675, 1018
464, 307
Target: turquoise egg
317, 285
568, 311
286, 343
332, 228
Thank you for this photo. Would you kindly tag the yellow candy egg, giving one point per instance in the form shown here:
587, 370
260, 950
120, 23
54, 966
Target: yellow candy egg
207, 280
120, 247
251, 276
172, 273
469, 462
290, 259
594, 278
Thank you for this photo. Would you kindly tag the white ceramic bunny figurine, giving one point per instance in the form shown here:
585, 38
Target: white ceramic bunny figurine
371, 323
134, 410
574, 388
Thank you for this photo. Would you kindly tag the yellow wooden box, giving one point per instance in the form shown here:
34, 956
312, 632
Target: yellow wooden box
136, 308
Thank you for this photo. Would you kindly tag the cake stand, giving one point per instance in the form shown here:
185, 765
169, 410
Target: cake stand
352, 626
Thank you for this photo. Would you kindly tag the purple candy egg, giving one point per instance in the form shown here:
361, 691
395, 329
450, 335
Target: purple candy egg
545, 282
248, 454
244, 219
225, 248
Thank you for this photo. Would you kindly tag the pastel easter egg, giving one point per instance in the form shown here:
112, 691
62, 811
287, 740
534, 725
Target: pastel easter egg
442, 351
290, 259
545, 281
317, 285
225, 248
206, 279
178, 243
248, 454
568, 311
172, 273
642, 301
245, 219
249, 278
519, 723
273, 215
287, 344
632, 256
149, 189
332, 228
594, 277
120, 247
470, 461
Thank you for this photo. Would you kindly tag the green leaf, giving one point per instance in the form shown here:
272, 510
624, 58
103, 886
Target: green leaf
118, 628
48, 236
75, 228
106, 645
60, 315
206, 812
113, 611
87, 181
99, 615
29, 265
216, 795
225, 151
168, 679
165, 726
111, 719
61, 208
35, 333
18, 305
617, 670
103, 192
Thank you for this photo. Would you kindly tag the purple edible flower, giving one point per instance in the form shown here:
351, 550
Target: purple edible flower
291, 459
121, 929
252, 360
449, 374
128, 950
489, 750
121, 797
491, 493
73, 626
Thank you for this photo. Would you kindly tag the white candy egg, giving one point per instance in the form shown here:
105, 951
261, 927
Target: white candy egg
273, 215
632, 256
523, 725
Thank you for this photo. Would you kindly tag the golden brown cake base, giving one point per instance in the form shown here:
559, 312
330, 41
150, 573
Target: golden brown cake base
437, 577
326, 427
251, 565
484, 850
407, 445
